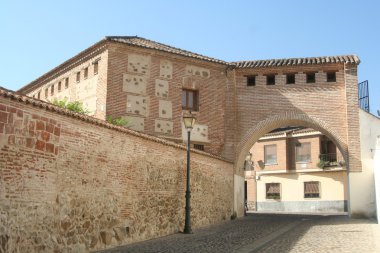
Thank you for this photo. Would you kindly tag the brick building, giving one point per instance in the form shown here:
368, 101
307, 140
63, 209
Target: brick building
236, 103
296, 170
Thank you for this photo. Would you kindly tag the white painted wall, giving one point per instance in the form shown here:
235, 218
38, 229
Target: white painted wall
332, 186
362, 184
376, 164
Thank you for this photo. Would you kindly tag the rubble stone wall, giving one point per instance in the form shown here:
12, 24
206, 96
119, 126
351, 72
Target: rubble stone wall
71, 185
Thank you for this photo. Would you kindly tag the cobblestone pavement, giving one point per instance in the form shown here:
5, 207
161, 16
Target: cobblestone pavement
269, 233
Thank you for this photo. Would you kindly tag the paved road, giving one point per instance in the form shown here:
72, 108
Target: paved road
270, 233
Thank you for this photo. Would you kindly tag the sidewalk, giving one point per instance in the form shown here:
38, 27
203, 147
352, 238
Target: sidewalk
270, 233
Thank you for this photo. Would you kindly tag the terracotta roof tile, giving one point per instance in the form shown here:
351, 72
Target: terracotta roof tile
145, 43
351, 59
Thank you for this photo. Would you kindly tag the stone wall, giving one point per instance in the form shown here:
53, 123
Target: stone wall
74, 183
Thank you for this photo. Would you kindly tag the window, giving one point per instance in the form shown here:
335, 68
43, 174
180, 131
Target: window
66, 82
272, 191
96, 67
270, 154
303, 152
78, 77
46, 92
311, 189
85, 74
190, 100
52, 90
331, 76
59, 86
310, 77
251, 80
290, 79
271, 79
199, 146
39, 95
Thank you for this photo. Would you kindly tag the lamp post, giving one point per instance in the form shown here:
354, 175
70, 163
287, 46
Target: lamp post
188, 121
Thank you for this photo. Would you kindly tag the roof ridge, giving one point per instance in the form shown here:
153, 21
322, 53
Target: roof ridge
166, 48
351, 59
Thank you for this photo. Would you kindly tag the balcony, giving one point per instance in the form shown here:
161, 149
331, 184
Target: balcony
330, 160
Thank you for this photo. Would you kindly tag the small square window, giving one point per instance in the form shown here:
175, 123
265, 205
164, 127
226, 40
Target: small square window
331, 76
311, 190
96, 67
290, 78
85, 74
78, 77
251, 80
272, 191
59, 86
199, 146
310, 77
52, 90
271, 79
66, 82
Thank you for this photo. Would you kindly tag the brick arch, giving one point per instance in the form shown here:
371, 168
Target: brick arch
281, 120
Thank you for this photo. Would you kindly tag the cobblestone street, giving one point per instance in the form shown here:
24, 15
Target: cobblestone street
270, 233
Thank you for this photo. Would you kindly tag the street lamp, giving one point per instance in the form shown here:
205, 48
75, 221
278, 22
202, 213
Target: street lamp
188, 121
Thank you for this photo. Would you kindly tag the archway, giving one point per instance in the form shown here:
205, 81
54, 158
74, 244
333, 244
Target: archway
273, 122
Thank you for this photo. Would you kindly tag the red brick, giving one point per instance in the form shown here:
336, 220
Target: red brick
40, 125
1, 128
20, 113
29, 142
45, 136
3, 117
50, 127
11, 139
32, 125
10, 118
52, 121
3, 108
40, 145
57, 131
12, 110
35, 116
49, 147
9, 129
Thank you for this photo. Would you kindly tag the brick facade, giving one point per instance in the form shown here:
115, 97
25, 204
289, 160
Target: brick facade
143, 81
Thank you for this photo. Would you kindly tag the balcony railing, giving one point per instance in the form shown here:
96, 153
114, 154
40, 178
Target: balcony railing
330, 160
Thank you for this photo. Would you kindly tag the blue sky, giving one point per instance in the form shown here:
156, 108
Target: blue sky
38, 35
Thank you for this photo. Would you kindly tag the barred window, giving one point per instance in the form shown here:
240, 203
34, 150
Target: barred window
311, 189
199, 146
270, 154
303, 152
273, 191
